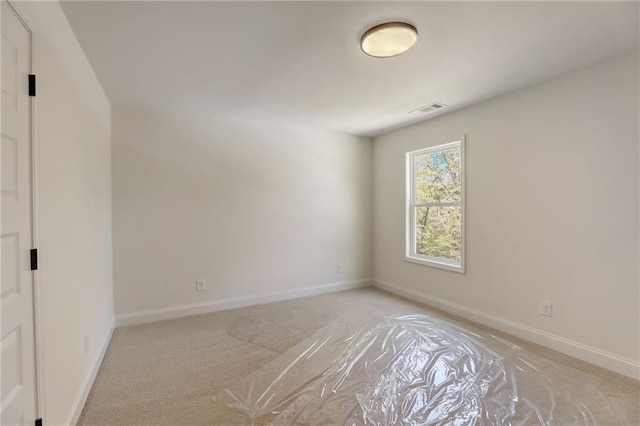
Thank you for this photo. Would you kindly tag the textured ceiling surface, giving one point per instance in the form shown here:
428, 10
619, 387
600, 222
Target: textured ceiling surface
300, 64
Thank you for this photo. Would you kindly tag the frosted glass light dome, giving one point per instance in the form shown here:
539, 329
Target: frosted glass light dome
389, 39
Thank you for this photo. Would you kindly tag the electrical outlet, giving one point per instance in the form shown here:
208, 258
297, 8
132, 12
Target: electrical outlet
339, 268
200, 285
86, 344
545, 308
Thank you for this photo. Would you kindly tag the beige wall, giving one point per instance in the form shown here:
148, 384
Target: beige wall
251, 209
74, 215
552, 209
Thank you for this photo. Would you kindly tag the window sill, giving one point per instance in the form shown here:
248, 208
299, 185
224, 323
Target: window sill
435, 264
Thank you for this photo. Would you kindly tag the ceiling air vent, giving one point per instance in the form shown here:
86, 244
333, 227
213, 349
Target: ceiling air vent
433, 106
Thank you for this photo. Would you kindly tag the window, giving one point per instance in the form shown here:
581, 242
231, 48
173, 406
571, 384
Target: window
435, 206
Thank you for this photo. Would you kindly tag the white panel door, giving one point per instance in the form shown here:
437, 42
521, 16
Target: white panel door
17, 343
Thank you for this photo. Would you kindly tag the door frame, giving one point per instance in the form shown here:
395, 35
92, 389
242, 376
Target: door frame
29, 24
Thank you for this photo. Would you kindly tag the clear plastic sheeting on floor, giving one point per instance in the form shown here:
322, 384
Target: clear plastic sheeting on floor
406, 369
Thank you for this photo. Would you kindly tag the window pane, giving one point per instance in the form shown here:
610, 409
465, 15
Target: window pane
439, 232
437, 176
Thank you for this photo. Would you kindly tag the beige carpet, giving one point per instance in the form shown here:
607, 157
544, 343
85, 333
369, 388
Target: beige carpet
166, 373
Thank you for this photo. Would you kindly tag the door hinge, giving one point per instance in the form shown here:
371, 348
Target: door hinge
32, 85
38, 422
34, 259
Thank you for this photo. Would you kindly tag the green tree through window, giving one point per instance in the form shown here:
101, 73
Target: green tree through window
435, 205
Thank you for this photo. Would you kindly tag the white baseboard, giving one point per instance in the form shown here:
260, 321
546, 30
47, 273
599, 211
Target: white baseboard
569, 347
81, 399
235, 302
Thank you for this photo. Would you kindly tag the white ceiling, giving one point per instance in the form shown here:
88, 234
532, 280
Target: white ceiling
300, 64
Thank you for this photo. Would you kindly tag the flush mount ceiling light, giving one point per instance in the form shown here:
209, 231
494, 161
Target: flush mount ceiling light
388, 39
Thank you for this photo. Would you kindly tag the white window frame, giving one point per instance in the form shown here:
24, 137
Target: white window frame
410, 234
